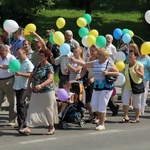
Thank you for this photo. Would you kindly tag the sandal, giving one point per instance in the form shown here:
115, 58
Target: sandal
24, 131
50, 132
124, 120
91, 118
135, 121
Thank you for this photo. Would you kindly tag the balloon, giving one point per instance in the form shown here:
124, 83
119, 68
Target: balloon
117, 33
120, 80
114, 92
51, 38
120, 65
145, 48
64, 49
81, 22
14, 65
125, 31
60, 23
83, 32
91, 40
94, 32
58, 38
84, 41
10, 26
29, 27
101, 41
131, 33
120, 56
126, 38
147, 16
62, 94
88, 18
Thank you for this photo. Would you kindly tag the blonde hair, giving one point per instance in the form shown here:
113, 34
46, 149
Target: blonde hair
104, 52
80, 49
94, 46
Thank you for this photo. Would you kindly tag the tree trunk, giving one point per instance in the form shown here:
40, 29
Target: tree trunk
88, 6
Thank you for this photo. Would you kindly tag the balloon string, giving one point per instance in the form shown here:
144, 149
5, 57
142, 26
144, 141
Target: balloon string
88, 26
139, 38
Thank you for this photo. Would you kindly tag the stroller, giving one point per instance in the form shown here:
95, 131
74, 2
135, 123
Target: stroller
74, 112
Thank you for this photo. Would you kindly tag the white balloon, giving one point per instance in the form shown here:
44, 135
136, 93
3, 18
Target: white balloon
120, 56
120, 80
147, 16
84, 41
10, 26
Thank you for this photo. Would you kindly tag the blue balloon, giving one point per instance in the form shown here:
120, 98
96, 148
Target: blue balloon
117, 33
64, 49
126, 38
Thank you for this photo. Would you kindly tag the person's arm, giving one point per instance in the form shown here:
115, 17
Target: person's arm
70, 67
5, 67
28, 90
39, 39
112, 72
140, 71
82, 63
83, 72
45, 83
26, 75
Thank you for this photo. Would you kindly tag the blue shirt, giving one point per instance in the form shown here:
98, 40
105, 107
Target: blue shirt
21, 82
17, 44
146, 63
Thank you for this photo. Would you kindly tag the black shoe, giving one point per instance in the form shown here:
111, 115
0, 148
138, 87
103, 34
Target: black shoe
116, 111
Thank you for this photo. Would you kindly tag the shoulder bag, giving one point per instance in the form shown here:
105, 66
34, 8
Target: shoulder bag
136, 88
110, 79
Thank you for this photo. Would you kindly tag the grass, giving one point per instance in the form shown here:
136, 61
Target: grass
103, 21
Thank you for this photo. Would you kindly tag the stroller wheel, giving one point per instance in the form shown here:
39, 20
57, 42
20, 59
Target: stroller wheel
81, 123
64, 125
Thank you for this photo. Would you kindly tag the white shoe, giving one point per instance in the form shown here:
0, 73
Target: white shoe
100, 127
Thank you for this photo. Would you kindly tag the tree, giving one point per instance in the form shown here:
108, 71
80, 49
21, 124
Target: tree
22, 11
88, 6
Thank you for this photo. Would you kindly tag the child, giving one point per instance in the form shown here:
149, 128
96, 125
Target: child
71, 97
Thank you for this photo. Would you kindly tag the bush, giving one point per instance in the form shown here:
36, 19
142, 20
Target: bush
22, 11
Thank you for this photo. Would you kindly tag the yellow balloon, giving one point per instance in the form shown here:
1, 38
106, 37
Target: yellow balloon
94, 32
58, 38
81, 22
145, 48
120, 65
60, 23
91, 39
29, 27
131, 33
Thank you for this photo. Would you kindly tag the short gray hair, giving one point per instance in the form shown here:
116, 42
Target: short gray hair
110, 36
69, 32
2, 46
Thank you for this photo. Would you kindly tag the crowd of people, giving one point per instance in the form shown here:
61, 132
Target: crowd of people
35, 79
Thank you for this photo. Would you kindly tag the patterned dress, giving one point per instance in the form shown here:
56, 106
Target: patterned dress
43, 107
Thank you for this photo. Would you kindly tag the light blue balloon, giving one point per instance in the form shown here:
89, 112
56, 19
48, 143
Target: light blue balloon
117, 33
126, 38
64, 49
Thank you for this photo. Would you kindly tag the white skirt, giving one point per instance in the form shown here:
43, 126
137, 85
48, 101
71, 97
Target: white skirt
42, 109
100, 100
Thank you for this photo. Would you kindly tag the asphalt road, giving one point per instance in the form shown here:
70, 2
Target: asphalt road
117, 136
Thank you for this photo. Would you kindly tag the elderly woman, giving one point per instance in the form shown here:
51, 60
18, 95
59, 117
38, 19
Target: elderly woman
43, 108
102, 91
135, 71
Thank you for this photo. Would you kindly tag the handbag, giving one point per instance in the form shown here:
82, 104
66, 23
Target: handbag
136, 88
110, 79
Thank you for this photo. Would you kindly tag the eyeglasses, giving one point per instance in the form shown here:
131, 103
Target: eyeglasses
92, 50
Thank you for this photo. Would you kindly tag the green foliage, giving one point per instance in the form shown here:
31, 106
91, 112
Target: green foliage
22, 11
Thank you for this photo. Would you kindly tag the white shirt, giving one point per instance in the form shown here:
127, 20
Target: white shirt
112, 52
5, 73
63, 61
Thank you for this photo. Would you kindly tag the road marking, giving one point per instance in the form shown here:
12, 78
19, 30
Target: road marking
105, 132
36, 141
